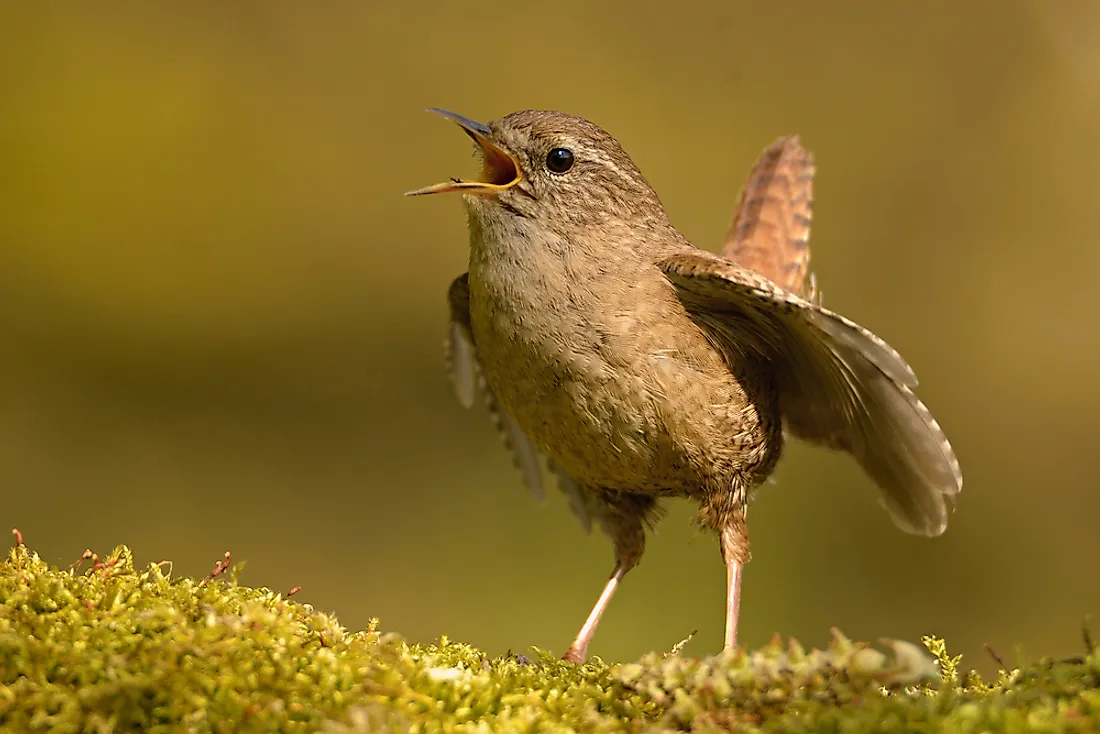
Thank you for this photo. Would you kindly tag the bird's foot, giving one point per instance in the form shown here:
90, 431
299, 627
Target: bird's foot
575, 655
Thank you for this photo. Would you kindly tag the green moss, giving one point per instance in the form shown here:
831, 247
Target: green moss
113, 648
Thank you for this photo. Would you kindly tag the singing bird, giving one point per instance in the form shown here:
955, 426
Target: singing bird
640, 367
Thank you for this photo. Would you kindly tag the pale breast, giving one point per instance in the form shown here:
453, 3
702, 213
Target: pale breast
618, 387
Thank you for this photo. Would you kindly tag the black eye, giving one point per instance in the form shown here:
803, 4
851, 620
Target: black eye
559, 160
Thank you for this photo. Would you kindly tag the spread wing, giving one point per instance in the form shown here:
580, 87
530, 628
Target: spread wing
840, 385
469, 382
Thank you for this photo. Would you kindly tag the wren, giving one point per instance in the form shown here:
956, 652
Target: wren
640, 367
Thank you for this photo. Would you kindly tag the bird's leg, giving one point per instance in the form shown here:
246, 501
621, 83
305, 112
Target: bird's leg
735, 552
578, 651
624, 518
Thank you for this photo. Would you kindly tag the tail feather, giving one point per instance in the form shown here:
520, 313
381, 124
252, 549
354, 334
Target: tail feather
771, 224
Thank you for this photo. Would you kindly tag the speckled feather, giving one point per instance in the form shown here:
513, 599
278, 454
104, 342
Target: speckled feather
770, 230
770, 235
841, 386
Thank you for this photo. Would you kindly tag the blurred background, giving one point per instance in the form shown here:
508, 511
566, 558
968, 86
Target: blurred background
222, 323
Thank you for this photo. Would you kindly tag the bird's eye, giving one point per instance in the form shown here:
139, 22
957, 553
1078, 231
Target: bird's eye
559, 160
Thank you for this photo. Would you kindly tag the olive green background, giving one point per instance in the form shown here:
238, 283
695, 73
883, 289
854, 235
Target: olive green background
221, 323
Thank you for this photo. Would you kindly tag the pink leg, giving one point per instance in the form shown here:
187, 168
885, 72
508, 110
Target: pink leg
578, 651
735, 552
624, 516
734, 572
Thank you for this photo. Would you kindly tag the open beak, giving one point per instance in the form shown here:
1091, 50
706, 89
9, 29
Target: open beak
500, 171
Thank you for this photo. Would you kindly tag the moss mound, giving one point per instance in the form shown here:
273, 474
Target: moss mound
103, 646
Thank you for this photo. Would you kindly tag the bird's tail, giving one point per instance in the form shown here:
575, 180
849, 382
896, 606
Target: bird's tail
771, 224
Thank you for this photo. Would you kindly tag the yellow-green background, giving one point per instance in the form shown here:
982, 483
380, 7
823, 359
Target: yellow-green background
221, 323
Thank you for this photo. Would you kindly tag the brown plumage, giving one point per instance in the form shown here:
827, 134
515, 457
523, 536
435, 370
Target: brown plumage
641, 367
770, 231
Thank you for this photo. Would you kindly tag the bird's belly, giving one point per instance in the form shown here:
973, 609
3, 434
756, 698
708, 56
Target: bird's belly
600, 426
630, 412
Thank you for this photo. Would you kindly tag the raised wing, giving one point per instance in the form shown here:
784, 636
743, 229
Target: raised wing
465, 371
840, 385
